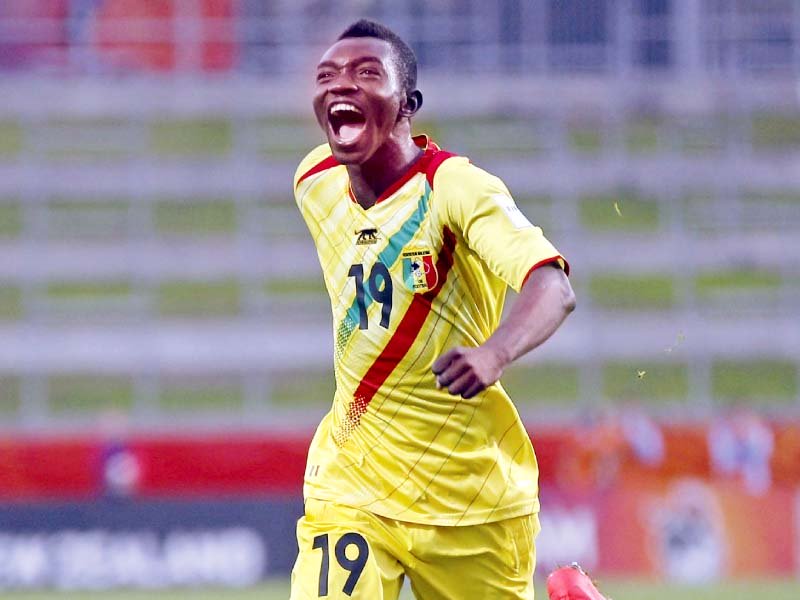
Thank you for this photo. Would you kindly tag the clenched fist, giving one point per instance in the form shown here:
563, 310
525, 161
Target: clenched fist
468, 371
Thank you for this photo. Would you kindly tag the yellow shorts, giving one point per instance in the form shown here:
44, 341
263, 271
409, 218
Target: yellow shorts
348, 553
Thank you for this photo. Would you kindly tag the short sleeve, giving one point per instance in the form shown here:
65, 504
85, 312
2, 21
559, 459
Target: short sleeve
481, 209
315, 161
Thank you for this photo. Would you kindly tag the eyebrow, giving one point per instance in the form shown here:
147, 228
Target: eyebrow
357, 61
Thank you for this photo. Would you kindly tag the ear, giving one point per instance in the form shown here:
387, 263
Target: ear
412, 104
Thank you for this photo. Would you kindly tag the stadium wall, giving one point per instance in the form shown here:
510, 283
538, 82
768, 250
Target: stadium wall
165, 511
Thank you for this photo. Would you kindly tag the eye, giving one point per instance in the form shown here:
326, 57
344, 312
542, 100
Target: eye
369, 72
324, 76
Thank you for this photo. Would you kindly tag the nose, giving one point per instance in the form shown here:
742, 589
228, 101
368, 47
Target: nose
343, 83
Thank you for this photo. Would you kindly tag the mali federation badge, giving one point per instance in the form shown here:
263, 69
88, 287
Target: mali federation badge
419, 271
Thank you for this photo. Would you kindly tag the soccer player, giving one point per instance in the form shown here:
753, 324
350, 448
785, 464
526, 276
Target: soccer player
422, 468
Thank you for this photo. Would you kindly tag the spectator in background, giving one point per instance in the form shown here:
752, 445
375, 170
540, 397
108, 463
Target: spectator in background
740, 445
610, 444
786, 456
42, 47
643, 435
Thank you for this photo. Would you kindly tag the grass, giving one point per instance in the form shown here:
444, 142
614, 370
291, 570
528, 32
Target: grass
204, 395
88, 140
75, 153
585, 139
278, 219
539, 210
754, 381
659, 382
195, 217
542, 383
269, 591
622, 291
771, 131
787, 197
647, 590
302, 388
11, 307
621, 211
700, 137
11, 139
641, 136
9, 395
89, 393
199, 298
763, 210
494, 135
88, 290
618, 589
288, 137
737, 289
182, 138
10, 219
643, 381
92, 218
79, 206
708, 283
313, 286
432, 129
698, 210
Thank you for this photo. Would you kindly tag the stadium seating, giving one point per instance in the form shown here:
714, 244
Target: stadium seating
152, 261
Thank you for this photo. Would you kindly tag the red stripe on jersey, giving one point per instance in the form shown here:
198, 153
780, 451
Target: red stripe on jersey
417, 167
546, 261
427, 163
436, 161
327, 163
404, 336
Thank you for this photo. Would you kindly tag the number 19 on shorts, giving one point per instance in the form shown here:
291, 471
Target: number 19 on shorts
355, 566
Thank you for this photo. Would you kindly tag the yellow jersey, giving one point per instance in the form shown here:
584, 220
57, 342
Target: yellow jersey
424, 269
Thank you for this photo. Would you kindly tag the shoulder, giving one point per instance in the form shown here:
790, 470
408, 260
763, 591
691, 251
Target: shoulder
459, 176
316, 161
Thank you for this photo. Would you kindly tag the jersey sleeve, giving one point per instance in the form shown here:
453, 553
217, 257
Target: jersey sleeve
480, 207
306, 169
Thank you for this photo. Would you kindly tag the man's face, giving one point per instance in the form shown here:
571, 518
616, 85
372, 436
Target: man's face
358, 97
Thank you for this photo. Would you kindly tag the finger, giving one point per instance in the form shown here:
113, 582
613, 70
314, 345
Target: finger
476, 388
452, 372
445, 359
463, 383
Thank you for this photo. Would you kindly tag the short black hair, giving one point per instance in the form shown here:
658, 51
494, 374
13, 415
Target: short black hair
406, 60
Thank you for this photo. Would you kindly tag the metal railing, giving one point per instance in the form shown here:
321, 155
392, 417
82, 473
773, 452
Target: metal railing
551, 37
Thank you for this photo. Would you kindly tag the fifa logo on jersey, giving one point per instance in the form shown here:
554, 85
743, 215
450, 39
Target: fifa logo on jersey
366, 236
419, 271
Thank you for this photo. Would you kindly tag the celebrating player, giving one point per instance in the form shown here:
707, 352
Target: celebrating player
422, 467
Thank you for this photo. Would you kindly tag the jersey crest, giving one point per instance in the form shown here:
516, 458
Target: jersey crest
419, 270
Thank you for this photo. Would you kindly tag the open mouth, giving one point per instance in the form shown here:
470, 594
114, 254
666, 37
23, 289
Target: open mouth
346, 121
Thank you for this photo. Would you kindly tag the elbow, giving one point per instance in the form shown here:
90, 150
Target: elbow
568, 301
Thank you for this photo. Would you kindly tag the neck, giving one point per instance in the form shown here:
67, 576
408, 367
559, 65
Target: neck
371, 178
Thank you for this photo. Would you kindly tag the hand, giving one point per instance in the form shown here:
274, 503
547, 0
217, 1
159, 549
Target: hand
467, 371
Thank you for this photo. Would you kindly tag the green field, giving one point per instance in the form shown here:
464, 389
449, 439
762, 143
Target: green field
617, 590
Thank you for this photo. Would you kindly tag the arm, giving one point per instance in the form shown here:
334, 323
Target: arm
542, 305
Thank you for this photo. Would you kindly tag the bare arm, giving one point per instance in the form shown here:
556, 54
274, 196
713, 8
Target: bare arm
542, 305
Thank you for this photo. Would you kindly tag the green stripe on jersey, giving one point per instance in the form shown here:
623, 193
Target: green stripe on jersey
388, 257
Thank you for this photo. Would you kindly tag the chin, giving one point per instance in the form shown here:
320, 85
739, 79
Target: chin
348, 156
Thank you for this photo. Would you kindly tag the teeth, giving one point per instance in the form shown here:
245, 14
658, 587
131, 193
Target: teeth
342, 106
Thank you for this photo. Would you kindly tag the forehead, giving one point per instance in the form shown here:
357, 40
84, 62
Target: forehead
355, 49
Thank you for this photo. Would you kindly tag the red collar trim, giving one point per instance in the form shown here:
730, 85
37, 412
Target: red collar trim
421, 166
325, 164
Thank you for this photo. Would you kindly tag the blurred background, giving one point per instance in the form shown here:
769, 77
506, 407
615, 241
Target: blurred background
165, 337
